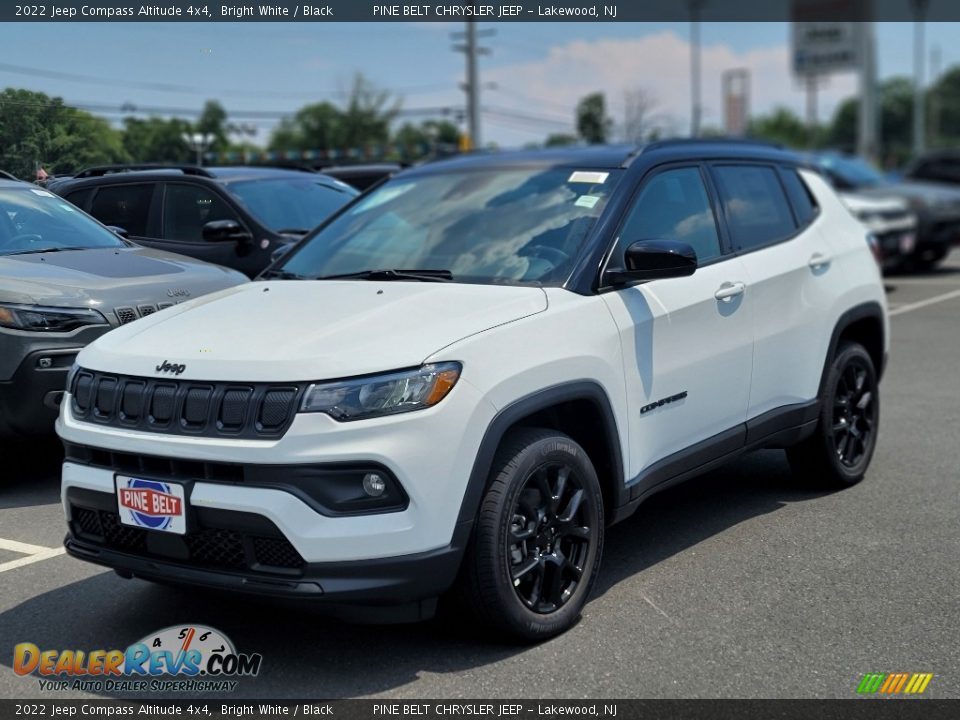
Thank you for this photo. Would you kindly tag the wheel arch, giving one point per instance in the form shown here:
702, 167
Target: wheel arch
862, 324
580, 409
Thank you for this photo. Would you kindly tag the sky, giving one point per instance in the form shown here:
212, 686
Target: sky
532, 78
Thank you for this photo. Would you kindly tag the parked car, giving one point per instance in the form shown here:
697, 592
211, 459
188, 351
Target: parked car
893, 224
65, 279
472, 370
937, 207
232, 216
940, 166
365, 176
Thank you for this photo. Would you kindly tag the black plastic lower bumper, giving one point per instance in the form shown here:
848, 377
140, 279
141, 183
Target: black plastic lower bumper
30, 400
402, 588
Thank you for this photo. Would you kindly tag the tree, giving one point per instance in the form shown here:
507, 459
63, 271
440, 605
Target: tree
560, 139
318, 125
213, 122
593, 125
36, 129
368, 114
418, 140
639, 120
157, 140
784, 127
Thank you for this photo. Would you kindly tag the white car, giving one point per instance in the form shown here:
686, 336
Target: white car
464, 376
889, 219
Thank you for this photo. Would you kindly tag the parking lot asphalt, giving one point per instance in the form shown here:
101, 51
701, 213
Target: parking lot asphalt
741, 583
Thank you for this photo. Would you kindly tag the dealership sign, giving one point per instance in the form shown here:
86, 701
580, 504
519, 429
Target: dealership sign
825, 47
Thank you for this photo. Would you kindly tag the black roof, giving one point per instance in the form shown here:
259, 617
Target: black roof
617, 156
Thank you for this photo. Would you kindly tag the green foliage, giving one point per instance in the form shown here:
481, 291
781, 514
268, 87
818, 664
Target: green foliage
157, 140
593, 124
36, 129
213, 122
784, 127
560, 139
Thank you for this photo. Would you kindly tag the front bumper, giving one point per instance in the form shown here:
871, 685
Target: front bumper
30, 400
244, 552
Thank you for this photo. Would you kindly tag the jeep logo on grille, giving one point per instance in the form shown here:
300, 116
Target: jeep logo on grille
178, 292
169, 367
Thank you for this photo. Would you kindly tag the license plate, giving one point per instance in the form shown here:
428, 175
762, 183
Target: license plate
152, 504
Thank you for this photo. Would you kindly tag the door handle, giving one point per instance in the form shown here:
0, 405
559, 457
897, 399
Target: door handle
818, 260
729, 290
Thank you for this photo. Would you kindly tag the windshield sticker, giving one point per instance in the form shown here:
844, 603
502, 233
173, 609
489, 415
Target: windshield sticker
41, 192
586, 176
587, 201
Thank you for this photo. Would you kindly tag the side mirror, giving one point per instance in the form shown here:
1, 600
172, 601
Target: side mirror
117, 230
654, 260
225, 231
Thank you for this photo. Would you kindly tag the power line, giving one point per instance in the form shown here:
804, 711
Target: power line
193, 89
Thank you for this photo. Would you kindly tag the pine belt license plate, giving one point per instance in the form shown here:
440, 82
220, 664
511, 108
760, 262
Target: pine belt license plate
152, 504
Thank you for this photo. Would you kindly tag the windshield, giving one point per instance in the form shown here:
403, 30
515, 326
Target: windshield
35, 220
853, 172
292, 204
487, 225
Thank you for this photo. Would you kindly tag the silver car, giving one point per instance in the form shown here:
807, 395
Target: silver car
65, 279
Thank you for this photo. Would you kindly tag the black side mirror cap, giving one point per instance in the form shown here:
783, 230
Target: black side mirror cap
654, 260
225, 231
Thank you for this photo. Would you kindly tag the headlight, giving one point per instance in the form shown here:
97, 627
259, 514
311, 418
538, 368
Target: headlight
382, 394
48, 319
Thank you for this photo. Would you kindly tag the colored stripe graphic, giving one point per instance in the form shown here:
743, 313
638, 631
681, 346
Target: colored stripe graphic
894, 683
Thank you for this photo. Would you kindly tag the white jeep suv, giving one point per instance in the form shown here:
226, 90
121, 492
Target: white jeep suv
463, 377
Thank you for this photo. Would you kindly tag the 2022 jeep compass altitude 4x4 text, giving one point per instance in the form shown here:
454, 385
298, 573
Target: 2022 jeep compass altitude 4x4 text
461, 378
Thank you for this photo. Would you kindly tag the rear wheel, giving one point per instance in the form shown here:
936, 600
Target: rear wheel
840, 449
536, 547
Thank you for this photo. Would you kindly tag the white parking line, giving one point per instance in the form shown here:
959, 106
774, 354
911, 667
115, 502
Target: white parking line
924, 303
31, 553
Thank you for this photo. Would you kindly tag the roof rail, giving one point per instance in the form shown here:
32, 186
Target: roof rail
101, 170
713, 141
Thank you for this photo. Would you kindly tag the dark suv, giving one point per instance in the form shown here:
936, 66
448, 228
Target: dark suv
233, 216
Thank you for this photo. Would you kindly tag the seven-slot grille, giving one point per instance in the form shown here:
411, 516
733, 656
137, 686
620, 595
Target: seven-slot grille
184, 407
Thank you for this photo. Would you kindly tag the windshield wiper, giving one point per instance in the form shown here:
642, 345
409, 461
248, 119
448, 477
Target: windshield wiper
283, 275
293, 231
44, 250
424, 275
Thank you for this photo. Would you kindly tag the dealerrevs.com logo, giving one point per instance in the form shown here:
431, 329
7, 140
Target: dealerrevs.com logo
176, 659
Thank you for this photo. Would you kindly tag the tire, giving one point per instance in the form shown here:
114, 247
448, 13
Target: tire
839, 451
538, 537
926, 261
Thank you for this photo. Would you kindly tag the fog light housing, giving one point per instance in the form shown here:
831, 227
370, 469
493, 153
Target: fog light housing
374, 484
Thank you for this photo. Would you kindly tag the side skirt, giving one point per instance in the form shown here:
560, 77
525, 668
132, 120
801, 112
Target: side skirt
780, 427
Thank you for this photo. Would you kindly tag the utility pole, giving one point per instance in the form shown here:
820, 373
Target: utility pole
934, 96
472, 85
811, 81
695, 6
867, 131
919, 50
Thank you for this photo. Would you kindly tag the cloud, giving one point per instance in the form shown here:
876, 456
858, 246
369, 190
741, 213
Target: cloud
659, 63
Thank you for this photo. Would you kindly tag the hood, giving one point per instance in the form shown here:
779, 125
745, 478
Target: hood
109, 277
293, 330
859, 203
919, 194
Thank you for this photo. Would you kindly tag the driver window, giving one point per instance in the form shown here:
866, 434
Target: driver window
674, 205
188, 208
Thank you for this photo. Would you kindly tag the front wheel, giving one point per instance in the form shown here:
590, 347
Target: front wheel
840, 449
536, 547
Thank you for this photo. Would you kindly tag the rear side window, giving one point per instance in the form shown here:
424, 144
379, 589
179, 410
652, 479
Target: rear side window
188, 208
756, 209
80, 198
803, 203
126, 206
